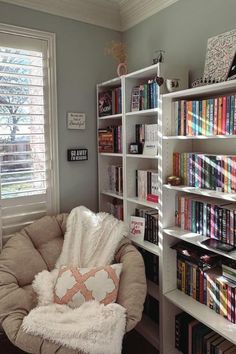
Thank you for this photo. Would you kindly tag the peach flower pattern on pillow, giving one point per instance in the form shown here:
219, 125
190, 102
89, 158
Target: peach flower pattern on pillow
75, 285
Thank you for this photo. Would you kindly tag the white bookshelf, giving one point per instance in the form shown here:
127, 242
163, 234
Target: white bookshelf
130, 163
173, 300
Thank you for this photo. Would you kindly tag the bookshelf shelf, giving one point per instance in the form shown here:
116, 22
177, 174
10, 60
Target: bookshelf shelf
194, 239
202, 313
214, 89
145, 112
143, 202
110, 83
112, 194
205, 192
110, 154
144, 73
139, 156
113, 116
149, 330
146, 245
198, 137
153, 289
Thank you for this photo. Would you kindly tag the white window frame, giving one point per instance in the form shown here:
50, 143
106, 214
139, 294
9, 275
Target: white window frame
50, 38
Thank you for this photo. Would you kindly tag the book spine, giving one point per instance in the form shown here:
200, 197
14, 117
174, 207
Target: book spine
231, 124
220, 111
224, 110
211, 128
215, 126
189, 118
204, 114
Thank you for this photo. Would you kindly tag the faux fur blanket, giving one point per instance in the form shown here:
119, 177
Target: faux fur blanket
90, 240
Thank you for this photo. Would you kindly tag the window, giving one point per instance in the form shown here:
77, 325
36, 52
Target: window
28, 129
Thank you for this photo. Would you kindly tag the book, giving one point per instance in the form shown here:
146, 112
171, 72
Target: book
105, 103
137, 226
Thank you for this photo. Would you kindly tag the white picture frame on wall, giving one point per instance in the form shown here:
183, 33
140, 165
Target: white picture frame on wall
76, 120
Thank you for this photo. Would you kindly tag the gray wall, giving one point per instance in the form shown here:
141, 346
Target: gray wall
81, 64
182, 31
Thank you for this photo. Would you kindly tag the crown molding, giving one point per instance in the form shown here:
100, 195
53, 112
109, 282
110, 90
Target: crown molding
135, 11
104, 13
118, 15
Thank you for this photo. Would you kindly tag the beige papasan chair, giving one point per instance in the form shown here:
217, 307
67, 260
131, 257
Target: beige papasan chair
36, 248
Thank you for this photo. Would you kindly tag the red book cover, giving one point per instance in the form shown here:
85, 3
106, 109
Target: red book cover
174, 164
152, 198
224, 111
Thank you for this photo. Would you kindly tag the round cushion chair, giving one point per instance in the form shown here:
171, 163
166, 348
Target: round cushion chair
37, 248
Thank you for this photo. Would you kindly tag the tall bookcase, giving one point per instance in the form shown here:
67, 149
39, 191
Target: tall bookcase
171, 300
130, 163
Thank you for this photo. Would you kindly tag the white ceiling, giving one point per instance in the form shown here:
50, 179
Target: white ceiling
115, 14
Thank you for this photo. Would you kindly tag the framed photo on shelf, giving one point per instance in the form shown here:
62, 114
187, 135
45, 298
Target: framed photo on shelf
135, 148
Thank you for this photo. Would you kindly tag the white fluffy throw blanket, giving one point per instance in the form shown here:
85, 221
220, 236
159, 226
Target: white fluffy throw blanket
90, 240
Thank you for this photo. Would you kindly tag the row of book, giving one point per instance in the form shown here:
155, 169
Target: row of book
116, 209
193, 337
110, 139
145, 96
151, 262
213, 116
215, 172
147, 185
200, 274
151, 217
115, 179
110, 102
208, 217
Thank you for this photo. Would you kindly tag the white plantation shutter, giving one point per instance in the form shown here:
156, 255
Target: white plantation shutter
26, 175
